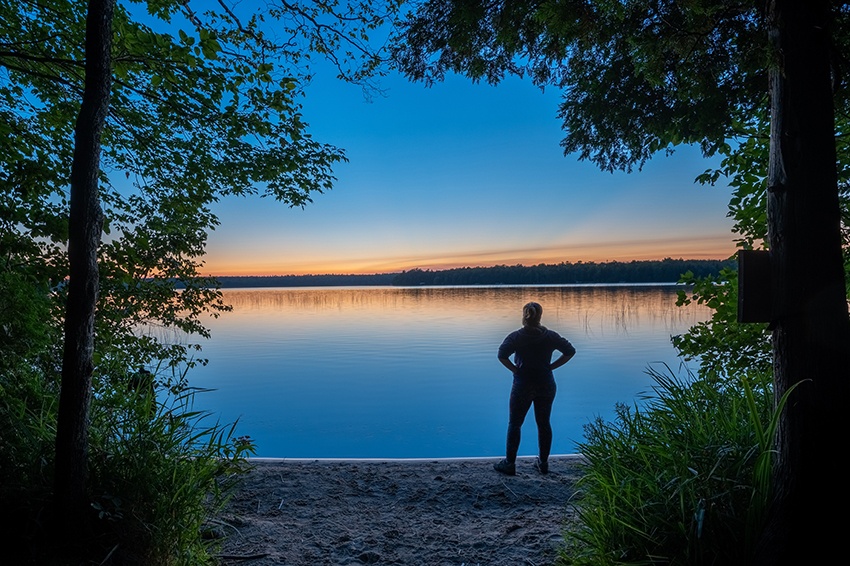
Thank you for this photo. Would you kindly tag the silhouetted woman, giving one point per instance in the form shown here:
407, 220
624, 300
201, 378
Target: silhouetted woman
532, 347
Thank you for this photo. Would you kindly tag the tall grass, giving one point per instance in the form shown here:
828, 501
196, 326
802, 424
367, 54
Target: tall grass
158, 470
680, 478
28, 411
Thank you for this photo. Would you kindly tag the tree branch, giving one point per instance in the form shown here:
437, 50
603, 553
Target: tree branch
39, 59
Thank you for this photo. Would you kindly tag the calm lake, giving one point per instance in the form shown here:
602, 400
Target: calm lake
390, 372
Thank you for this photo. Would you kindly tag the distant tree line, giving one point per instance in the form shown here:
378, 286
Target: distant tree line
566, 273
655, 271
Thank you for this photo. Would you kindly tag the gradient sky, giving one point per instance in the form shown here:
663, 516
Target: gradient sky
466, 174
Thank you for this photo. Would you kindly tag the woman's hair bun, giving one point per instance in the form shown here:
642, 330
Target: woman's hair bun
531, 314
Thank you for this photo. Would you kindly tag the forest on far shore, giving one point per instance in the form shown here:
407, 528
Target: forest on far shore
565, 273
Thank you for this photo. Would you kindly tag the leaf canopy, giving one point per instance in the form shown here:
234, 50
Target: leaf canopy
637, 77
206, 102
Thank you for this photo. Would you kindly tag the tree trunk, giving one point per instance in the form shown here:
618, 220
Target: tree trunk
85, 226
811, 330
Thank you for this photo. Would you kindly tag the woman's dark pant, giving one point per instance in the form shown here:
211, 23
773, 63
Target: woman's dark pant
524, 393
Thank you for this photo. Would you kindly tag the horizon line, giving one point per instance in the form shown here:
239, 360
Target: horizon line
396, 272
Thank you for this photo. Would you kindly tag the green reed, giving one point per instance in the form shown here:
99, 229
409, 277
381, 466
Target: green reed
158, 471
680, 478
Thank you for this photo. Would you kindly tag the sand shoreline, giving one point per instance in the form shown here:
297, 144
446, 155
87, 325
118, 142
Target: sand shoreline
264, 460
456, 511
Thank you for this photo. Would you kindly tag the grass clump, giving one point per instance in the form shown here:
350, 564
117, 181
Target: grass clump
681, 478
159, 470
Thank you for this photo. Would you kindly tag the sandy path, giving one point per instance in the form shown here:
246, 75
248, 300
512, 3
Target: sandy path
438, 512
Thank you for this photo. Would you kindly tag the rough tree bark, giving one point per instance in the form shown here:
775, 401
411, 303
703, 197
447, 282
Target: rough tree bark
85, 225
811, 330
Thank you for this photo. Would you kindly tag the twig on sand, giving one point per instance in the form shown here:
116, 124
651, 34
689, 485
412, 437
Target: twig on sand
242, 556
509, 489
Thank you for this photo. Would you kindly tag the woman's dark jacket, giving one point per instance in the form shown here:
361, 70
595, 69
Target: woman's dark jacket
532, 347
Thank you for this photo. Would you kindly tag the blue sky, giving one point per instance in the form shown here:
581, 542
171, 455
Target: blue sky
465, 174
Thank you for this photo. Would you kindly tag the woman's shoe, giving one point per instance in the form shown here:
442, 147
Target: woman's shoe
505, 467
542, 467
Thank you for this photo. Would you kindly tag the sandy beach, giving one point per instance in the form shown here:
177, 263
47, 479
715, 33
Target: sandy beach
429, 512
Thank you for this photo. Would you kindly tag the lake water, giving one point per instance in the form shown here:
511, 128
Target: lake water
389, 372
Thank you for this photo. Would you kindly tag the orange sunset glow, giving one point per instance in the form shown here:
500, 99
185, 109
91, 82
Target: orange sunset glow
474, 177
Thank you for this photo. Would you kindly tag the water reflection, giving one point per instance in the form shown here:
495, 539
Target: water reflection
412, 372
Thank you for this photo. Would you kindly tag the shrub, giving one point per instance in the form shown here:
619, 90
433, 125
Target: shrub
159, 469
681, 478
28, 407
28, 410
